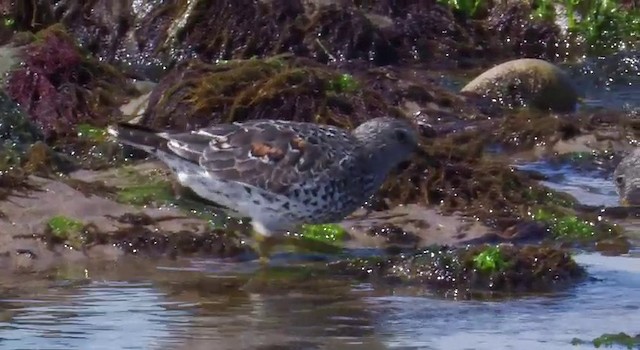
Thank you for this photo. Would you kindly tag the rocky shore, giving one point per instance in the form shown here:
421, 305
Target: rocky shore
71, 68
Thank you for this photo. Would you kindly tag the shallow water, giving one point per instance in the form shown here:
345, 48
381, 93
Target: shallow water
161, 310
606, 305
200, 304
590, 187
611, 82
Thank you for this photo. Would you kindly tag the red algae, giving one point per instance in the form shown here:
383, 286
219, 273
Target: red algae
59, 88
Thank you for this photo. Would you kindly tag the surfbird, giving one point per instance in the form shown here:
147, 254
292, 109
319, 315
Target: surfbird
627, 178
281, 174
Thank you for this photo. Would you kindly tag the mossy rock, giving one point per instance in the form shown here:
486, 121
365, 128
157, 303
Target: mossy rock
141, 240
527, 82
527, 128
65, 230
455, 174
567, 225
59, 86
618, 340
196, 94
139, 237
152, 188
480, 271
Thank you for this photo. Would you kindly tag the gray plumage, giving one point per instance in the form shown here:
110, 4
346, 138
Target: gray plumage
627, 178
281, 174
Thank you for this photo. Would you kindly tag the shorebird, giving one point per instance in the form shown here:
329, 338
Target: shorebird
627, 178
280, 174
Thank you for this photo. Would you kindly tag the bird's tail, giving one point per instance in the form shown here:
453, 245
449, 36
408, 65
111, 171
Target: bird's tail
139, 137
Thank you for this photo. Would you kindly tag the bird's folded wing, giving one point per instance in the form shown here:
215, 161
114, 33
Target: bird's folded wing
269, 155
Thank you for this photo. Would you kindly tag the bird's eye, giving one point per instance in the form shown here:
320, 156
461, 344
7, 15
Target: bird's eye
620, 180
402, 136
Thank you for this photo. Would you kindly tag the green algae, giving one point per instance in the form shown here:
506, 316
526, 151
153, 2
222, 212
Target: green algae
344, 83
66, 230
63, 227
8, 22
144, 189
158, 189
565, 226
468, 7
605, 26
319, 238
329, 233
490, 260
612, 339
155, 192
92, 133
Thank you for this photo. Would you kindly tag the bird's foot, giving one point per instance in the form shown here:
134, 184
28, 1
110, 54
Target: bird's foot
264, 247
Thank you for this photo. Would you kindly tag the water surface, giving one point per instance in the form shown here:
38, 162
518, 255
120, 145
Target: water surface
163, 310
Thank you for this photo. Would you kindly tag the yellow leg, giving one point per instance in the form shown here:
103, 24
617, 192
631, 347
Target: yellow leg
264, 246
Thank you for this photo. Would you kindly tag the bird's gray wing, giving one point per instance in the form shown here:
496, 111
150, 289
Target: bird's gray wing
271, 155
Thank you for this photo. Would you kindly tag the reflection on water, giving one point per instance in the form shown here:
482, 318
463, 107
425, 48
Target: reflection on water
606, 306
100, 315
168, 311
588, 187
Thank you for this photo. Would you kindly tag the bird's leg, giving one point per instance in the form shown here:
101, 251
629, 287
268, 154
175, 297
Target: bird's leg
264, 246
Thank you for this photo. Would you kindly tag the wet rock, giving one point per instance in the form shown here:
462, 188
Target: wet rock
14, 181
376, 203
196, 95
144, 241
17, 133
338, 33
481, 271
159, 33
434, 123
8, 58
60, 88
625, 178
89, 223
525, 129
419, 93
43, 161
622, 212
149, 36
527, 82
530, 232
519, 33
427, 223
613, 246
394, 235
